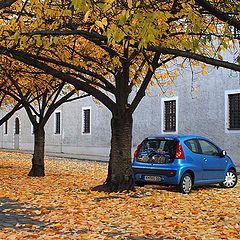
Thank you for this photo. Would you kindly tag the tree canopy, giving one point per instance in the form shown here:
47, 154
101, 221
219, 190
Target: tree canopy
116, 49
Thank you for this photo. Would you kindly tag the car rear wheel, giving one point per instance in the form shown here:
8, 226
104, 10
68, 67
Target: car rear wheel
230, 179
186, 183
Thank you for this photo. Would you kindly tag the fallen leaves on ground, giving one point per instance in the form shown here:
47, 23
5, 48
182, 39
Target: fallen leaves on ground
62, 206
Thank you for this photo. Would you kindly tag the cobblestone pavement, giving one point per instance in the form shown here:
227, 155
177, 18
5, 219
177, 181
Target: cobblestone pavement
14, 215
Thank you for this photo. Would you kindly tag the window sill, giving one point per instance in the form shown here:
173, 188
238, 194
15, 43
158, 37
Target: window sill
86, 133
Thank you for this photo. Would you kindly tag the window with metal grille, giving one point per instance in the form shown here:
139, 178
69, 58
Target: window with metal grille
234, 111
6, 128
57, 123
170, 116
235, 32
86, 120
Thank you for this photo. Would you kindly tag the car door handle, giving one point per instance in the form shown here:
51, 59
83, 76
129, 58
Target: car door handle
205, 160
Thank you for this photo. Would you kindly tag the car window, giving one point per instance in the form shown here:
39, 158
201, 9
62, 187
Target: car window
208, 148
193, 145
161, 146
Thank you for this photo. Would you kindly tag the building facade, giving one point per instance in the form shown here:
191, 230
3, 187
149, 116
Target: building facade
207, 105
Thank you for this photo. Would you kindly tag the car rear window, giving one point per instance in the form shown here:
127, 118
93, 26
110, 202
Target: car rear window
151, 147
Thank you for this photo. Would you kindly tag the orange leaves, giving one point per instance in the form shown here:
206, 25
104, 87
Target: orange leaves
62, 206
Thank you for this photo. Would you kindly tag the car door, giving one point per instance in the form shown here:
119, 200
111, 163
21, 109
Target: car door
196, 159
213, 163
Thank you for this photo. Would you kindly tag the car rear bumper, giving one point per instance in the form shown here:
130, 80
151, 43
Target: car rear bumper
163, 176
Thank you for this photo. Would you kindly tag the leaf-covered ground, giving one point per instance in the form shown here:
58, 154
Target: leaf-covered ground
62, 206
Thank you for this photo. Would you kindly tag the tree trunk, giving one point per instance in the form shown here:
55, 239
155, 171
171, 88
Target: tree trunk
38, 155
120, 173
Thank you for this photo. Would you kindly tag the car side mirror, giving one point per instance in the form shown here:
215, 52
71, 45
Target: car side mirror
223, 153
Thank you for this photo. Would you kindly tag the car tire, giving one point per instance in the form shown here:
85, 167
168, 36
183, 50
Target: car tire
139, 184
230, 179
186, 183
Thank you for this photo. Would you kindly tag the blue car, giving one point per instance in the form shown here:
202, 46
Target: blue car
184, 161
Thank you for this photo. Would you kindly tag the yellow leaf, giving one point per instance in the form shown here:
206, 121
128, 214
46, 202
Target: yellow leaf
99, 24
129, 3
104, 21
204, 71
86, 16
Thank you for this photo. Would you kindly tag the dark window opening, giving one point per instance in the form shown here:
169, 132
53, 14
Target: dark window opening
6, 128
17, 126
86, 121
170, 116
58, 123
234, 111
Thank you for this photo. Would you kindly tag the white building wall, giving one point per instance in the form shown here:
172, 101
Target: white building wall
200, 112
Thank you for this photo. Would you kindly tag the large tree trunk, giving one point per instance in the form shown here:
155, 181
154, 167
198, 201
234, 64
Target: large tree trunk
38, 155
120, 173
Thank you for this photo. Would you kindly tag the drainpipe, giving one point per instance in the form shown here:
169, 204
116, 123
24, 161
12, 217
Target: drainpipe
62, 131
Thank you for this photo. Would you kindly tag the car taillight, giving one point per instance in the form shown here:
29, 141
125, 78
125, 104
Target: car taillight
179, 151
137, 150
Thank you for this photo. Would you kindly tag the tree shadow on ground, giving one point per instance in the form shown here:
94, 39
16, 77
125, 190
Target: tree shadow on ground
15, 215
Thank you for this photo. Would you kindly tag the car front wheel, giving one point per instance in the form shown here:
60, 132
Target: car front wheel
230, 179
186, 183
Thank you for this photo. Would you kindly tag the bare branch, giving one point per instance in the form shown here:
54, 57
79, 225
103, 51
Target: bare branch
195, 56
223, 16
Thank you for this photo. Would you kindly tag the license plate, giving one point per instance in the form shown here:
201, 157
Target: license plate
152, 178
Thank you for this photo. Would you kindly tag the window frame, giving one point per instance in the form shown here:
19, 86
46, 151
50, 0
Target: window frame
83, 120
163, 100
227, 111
55, 122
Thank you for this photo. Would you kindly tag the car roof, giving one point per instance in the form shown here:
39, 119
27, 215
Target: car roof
182, 137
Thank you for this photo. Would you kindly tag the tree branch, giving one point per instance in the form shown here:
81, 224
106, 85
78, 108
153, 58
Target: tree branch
195, 56
79, 85
141, 92
17, 107
225, 17
6, 3
108, 85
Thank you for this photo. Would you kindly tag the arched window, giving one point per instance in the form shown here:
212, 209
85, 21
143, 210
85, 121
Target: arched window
17, 125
